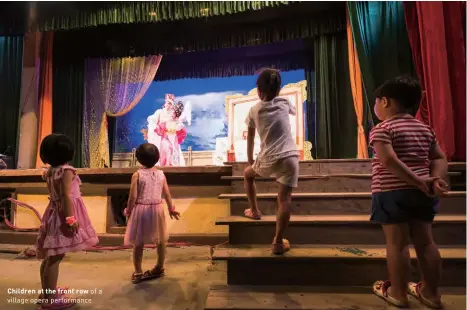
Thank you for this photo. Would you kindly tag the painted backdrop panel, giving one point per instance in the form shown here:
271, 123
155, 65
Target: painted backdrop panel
207, 100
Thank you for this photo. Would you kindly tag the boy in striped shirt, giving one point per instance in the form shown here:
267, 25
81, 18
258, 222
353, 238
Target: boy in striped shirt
409, 169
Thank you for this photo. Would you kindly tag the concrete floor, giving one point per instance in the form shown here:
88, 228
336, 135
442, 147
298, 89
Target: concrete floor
189, 274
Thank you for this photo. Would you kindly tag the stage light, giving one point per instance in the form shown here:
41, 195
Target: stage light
204, 11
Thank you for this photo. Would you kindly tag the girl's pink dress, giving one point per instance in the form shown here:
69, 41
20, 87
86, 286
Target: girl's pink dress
147, 223
51, 240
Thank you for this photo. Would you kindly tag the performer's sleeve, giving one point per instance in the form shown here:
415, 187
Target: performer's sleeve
181, 135
249, 121
292, 109
154, 118
160, 129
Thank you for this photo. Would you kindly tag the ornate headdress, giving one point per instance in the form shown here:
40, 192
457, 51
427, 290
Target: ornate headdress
178, 109
170, 98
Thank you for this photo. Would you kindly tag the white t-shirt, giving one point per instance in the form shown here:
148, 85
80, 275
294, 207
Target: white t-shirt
271, 120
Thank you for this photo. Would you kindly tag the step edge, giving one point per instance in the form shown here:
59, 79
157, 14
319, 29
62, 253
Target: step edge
361, 219
322, 176
461, 255
238, 196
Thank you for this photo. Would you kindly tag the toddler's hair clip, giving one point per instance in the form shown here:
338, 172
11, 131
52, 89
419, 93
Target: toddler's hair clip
70, 220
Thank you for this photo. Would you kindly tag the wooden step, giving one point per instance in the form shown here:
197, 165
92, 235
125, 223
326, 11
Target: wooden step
324, 265
333, 166
332, 203
247, 297
315, 183
333, 229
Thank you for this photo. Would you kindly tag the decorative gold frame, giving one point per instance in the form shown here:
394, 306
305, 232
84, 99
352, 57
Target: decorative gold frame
298, 89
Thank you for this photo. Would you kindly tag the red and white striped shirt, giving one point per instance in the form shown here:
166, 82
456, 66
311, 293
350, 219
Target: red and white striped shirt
411, 140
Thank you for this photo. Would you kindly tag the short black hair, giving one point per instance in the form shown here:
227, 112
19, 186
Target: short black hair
56, 150
147, 155
269, 83
404, 89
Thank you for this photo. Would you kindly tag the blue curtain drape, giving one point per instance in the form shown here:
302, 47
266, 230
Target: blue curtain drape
382, 45
11, 65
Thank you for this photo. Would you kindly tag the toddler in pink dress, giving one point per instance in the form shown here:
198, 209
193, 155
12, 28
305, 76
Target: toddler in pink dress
65, 225
147, 223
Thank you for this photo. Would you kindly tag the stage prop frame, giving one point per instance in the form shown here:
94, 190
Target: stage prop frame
295, 92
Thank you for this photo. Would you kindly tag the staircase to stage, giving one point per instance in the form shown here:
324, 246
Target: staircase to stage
334, 245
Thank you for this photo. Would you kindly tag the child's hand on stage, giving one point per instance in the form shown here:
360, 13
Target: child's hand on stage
174, 214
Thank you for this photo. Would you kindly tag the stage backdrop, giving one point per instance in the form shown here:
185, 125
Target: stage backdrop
206, 98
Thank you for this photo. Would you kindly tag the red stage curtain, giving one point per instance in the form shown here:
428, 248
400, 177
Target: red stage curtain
438, 45
45, 92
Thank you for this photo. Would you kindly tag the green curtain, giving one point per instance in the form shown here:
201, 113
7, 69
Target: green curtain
11, 67
107, 13
68, 96
336, 122
382, 44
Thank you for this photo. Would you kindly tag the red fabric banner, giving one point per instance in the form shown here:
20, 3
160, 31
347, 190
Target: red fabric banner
438, 46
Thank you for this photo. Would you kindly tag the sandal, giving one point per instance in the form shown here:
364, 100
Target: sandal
58, 304
380, 288
252, 215
155, 272
136, 277
414, 290
280, 248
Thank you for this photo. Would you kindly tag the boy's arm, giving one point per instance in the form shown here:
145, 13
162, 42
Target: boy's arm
250, 144
250, 140
439, 163
389, 159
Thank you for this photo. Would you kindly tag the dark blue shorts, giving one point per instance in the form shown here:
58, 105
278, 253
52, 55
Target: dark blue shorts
402, 206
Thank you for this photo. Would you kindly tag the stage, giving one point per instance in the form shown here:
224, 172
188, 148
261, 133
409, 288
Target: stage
196, 191
105, 192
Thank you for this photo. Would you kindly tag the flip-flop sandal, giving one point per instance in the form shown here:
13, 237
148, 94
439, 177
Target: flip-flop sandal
280, 248
153, 273
414, 290
380, 288
136, 277
252, 215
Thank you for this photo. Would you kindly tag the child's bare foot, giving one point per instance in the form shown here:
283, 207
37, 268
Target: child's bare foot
417, 290
251, 214
279, 248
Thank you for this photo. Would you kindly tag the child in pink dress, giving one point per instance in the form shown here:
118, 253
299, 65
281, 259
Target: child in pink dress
65, 225
147, 222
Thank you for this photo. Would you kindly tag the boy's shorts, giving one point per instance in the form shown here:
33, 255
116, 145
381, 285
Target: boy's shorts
285, 170
402, 206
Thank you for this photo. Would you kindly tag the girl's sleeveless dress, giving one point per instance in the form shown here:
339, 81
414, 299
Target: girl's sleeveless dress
51, 240
147, 223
